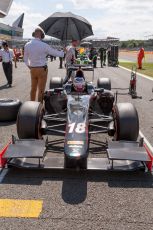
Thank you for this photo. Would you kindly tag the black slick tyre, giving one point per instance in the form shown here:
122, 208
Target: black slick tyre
104, 83
9, 109
126, 122
29, 120
56, 82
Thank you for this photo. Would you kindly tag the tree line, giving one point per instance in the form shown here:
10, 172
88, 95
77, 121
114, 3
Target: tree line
131, 44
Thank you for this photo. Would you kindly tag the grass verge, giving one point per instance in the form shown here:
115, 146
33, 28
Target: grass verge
147, 67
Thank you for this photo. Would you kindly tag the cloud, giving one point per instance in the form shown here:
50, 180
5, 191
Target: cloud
121, 18
111, 4
59, 6
96, 4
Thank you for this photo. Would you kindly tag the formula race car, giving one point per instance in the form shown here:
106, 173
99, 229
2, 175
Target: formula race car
83, 60
77, 111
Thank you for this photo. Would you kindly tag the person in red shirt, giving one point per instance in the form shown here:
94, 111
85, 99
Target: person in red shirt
140, 57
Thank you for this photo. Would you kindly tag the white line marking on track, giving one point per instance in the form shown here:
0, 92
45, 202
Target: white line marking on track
3, 173
141, 75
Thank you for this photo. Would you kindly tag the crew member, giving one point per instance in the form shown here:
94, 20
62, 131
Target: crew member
140, 57
7, 55
104, 63
70, 58
93, 56
61, 61
35, 53
109, 56
101, 54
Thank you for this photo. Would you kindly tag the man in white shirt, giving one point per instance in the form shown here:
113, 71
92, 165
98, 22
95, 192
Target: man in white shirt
35, 53
70, 58
7, 55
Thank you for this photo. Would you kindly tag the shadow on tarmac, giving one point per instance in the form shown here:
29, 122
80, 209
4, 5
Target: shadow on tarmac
74, 192
74, 187
4, 87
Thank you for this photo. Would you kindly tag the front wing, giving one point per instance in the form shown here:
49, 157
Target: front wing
116, 156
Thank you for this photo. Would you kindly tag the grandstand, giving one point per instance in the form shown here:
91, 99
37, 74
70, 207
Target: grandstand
14, 32
99, 42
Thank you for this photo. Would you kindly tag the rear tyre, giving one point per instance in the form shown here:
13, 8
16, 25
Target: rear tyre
9, 109
126, 122
56, 82
29, 120
104, 83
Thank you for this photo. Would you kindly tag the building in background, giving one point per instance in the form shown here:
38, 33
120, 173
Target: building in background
14, 32
4, 7
99, 42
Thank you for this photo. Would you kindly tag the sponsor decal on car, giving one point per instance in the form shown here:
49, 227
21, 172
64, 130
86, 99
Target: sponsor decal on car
76, 146
75, 142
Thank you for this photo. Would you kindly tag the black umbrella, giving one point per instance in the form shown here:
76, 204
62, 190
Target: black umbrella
66, 26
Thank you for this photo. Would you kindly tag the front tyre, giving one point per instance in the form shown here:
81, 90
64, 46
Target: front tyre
126, 122
29, 120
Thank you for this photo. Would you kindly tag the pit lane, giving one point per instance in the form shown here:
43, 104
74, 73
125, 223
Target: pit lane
84, 200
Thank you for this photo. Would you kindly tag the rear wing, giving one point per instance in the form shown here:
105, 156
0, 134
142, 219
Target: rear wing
75, 67
79, 66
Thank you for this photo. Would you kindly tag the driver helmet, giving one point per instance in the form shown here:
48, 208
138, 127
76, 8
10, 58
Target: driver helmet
79, 84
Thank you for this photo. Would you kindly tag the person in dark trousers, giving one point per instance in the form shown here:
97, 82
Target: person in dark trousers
93, 56
7, 56
101, 54
95, 61
51, 58
109, 56
61, 61
104, 58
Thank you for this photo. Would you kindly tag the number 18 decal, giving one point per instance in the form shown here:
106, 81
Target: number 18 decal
78, 128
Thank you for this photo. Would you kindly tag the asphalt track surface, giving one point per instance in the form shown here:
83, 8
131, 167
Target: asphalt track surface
132, 57
81, 200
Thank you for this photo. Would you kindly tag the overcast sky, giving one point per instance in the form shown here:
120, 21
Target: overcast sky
125, 19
